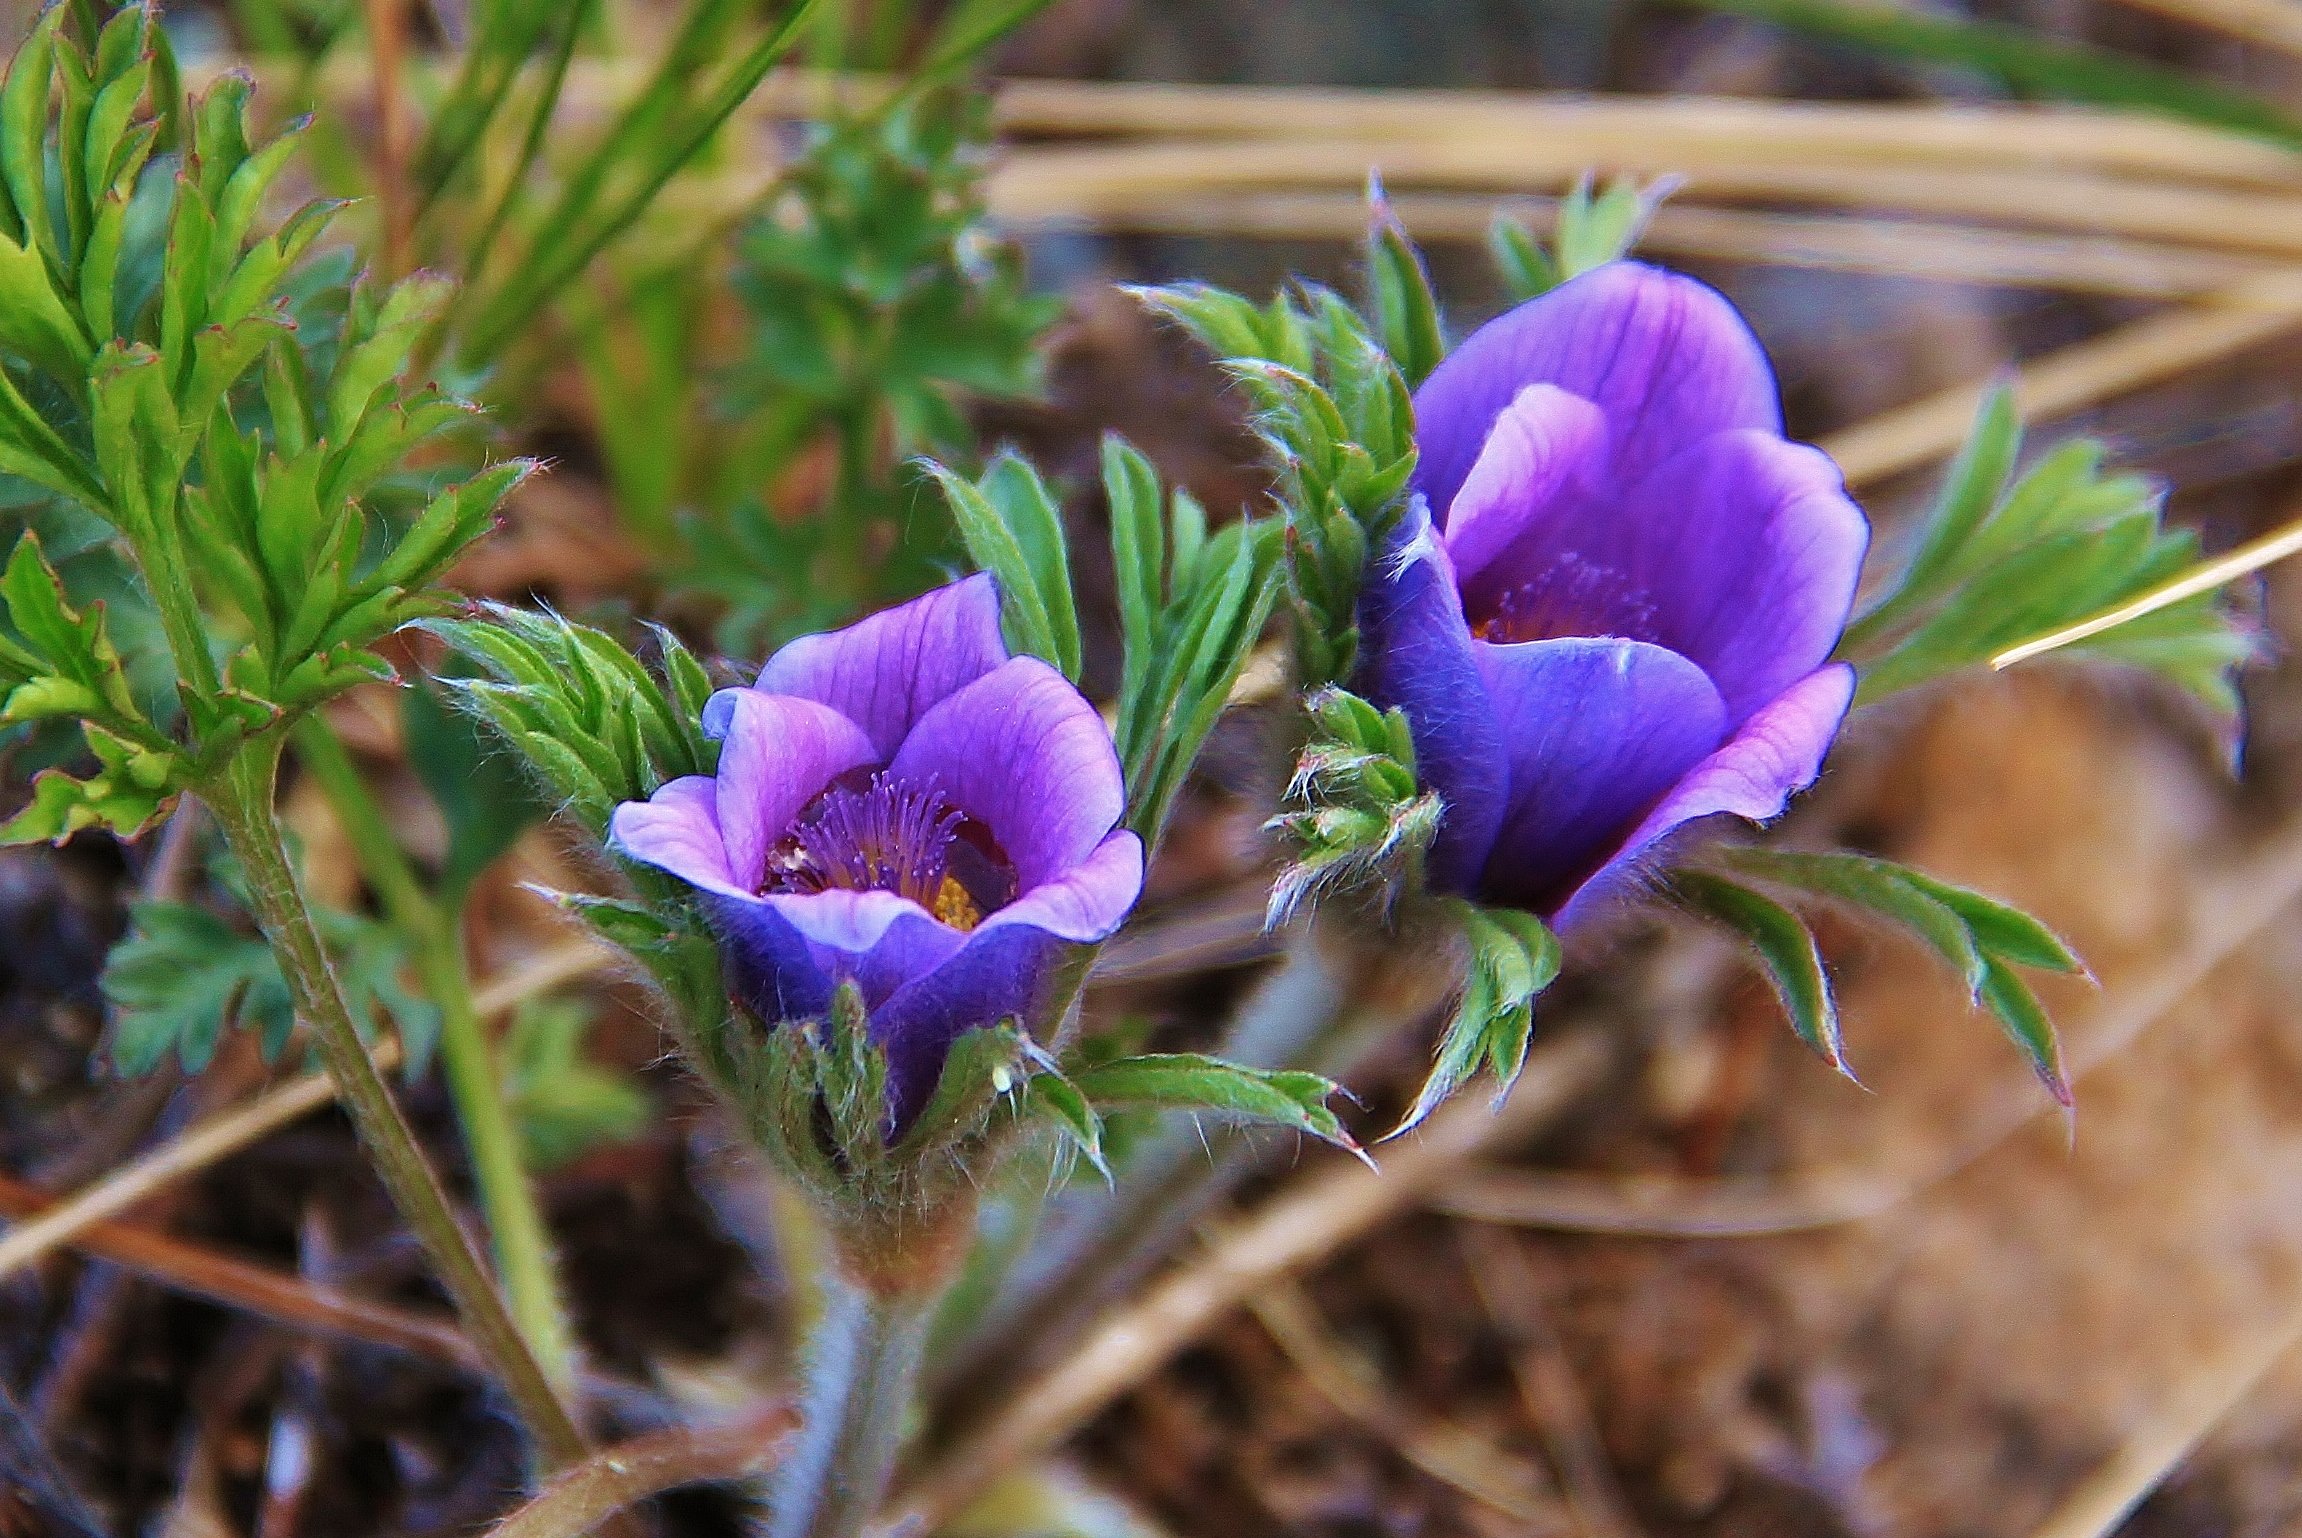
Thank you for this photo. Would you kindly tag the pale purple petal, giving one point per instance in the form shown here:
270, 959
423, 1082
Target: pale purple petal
1024, 753
887, 671
1775, 754
676, 830
1415, 654
1548, 449
777, 755
1087, 902
1665, 359
1595, 732
1747, 549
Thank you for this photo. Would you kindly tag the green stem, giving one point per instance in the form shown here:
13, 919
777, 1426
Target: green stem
862, 1365
242, 802
515, 1224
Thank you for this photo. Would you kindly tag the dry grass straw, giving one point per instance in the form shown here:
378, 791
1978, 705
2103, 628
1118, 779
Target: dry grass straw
1907, 248
2271, 23
580, 1498
1448, 1453
1293, 1232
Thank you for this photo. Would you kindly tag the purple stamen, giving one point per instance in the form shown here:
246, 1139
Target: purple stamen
889, 836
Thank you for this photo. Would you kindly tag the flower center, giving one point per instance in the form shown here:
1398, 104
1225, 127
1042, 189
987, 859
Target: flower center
1571, 597
875, 833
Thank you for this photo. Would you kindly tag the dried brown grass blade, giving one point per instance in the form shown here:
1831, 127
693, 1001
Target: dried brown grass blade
581, 1498
2141, 353
260, 1290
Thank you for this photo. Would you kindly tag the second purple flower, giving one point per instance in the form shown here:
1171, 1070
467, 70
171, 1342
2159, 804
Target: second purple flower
903, 805
1611, 609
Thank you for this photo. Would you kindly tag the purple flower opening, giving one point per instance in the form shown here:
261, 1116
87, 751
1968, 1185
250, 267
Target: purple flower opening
903, 806
1611, 609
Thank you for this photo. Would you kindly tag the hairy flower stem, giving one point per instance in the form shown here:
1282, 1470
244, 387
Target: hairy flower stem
475, 1082
862, 1367
242, 802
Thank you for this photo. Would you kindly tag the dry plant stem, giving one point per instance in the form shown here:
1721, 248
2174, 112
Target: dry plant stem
1100, 181
387, 40
1930, 251
1447, 1453
2077, 376
260, 1290
1592, 130
1291, 1233
243, 807
522, 1244
227, 1132
1104, 1242
2100, 1505
581, 1498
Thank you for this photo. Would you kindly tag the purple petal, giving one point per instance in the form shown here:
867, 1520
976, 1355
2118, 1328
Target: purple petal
878, 939
1023, 753
1596, 731
999, 973
1086, 903
770, 965
1548, 448
885, 672
1665, 359
779, 753
1776, 753
1003, 969
676, 830
1415, 654
1748, 549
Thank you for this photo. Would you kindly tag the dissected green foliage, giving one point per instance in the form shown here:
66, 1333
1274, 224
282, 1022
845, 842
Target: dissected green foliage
1359, 822
587, 717
1512, 957
184, 973
2004, 557
565, 1104
1191, 607
230, 420
1591, 232
1984, 940
1335, 416
880, 304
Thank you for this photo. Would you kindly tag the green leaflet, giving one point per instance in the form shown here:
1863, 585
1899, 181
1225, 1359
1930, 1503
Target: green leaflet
1784, 946
2003, 558
1513, 958
1983, 939
1191, 609
1591, 232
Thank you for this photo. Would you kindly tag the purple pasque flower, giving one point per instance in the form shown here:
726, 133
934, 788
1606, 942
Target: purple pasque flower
904, 805
1611, 609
